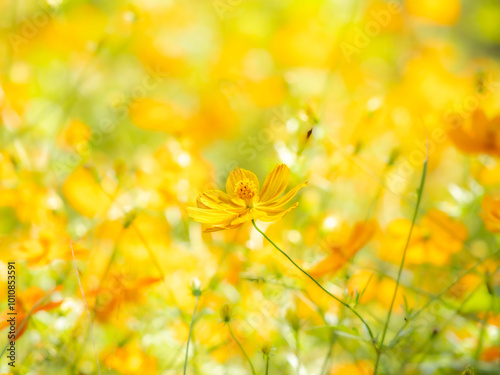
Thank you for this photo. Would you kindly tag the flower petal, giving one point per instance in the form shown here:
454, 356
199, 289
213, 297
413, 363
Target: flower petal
330, 264
209, 216
281, 201
218, 229
275, 183
238, 175
274, 214
251, 214
361, 234
219, 200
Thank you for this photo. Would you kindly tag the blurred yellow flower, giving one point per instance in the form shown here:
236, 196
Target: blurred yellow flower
444, 12
491, 213
343, 246
478, 135
358, 368
75, 134
433, 241
84, 193
244, 201
150, 114
131, 359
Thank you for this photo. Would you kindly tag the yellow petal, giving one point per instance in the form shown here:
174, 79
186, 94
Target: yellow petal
220, 201
360, 235
84, 193
281, 201
209, 216
275, 183
275, 214
251, 214
218, 229
330, 264
238, 175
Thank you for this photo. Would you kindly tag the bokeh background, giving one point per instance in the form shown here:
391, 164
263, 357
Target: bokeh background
116, 115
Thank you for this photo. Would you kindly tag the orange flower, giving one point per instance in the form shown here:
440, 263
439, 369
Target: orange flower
343, 246
491, 354
119, 290
28, 302
491, 213
478, 135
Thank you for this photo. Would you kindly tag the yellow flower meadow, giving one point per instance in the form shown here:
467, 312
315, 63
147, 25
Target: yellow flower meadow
114, 117
244, 201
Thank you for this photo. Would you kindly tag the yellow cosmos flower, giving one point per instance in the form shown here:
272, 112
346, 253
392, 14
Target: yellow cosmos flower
491, 213
244, 201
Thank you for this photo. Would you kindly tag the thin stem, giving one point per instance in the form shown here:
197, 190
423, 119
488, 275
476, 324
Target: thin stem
483, 327
86, 307
297, 349
328, 354
440, 294
317, 283
267, 364
189, 334
389, 313
241, 348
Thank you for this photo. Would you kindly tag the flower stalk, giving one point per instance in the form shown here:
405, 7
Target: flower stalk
401, 265
241, 348
370, 332
197, 293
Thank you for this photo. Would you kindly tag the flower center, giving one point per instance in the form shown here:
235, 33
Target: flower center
245, 189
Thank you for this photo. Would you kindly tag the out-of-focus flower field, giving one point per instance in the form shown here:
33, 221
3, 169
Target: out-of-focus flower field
139, 233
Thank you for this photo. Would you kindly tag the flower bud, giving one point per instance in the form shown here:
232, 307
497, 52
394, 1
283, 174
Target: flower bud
266, 349
226, 313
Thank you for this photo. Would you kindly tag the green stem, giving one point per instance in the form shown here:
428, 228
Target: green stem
483, 326
241, 348
328, 354
317, 283
267, 364
440, 294
389, 313
297, 349
189, 334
